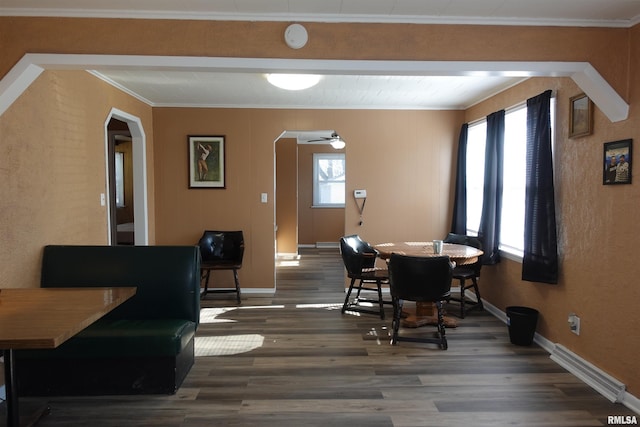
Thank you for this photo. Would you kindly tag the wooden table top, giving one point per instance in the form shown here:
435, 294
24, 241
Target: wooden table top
460, 254
33, 318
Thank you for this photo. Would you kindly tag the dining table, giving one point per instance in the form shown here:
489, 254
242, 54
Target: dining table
44, 318
425, 313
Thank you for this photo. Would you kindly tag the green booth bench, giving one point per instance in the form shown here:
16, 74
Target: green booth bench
144, 346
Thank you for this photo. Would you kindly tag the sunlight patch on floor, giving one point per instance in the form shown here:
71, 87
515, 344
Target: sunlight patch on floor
227, 345
328, 306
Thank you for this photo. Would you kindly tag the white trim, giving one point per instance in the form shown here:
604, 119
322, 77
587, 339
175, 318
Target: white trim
596, 378
601, 93
315, 17
327, 245
16, 81
584, 74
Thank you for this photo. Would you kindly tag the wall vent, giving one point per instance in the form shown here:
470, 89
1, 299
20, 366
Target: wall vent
602, 382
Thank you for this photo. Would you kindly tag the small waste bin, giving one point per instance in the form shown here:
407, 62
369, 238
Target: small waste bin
522, 323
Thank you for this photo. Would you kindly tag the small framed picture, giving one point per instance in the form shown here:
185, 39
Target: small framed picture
580, 116
617, 162
206, 162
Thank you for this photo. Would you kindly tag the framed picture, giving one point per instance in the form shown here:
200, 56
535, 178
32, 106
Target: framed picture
206, 162
580, 116
617, 162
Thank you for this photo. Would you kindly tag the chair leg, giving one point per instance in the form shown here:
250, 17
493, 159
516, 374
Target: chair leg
395, 325
346, 299
462, 288
477, 291
235, 278
380, 302
441, 328
205, 276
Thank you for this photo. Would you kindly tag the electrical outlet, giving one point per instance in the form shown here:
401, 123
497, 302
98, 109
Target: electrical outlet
574, 323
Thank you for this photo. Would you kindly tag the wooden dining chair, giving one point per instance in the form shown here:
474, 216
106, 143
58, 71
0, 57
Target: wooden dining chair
221, 250
420, 279
467, 275
359, 259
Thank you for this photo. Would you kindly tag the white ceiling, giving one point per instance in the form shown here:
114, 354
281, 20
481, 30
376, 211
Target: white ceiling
213, 88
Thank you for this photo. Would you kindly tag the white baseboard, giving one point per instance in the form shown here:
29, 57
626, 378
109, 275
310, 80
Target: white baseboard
596, 378
324, 245
599, 380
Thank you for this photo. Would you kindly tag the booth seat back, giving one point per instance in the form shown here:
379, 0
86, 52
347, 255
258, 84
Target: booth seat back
167, 277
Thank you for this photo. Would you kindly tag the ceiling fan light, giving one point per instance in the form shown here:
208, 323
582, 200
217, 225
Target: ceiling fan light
338, 143
293, 81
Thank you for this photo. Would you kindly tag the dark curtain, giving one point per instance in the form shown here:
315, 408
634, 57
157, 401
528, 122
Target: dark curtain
540, 261
459, 220
492, 200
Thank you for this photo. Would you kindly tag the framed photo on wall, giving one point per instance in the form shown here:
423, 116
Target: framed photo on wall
580, 116
206, 162
617, 162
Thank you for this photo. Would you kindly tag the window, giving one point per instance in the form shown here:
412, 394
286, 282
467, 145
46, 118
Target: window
514, 177
328, 180
476, 141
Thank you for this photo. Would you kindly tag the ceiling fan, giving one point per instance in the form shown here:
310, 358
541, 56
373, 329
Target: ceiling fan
335, 140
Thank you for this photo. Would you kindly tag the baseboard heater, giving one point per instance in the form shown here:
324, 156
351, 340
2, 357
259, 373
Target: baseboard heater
602, 382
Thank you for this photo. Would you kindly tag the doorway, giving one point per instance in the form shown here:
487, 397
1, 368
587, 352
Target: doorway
120, 184
300, 222
126, 195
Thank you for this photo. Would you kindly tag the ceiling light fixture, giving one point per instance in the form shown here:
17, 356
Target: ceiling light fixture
338, 143
293, 81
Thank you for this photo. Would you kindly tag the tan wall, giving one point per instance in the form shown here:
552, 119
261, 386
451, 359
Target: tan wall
315, 224
287, 196
407, 173
596, 229
53, 169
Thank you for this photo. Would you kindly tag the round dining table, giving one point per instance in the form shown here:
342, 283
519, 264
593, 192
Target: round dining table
460, 254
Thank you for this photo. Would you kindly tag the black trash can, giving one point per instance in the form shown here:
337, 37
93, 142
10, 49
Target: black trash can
522, 323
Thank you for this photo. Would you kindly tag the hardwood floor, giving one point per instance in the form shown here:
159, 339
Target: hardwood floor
292, 359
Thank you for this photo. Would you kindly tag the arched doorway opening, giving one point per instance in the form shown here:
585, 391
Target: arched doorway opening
134, 221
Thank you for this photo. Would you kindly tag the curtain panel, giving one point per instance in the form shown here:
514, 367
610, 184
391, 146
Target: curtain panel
490, 219
459, 220
540, 261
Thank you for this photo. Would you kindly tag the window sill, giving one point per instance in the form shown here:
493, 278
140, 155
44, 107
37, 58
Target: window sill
512, 255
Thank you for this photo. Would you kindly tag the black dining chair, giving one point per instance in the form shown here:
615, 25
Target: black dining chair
221, 250
464, 273
420, 279
359, 259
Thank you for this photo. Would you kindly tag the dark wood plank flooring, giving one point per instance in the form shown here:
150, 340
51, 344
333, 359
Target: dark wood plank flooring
292, 359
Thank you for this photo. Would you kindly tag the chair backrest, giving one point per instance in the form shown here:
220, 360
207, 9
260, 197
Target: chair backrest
463, 239
416, 278
356, 254
225, 246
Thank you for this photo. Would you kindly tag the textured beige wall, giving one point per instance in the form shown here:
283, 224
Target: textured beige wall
596, 228
403, 158
52, 169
